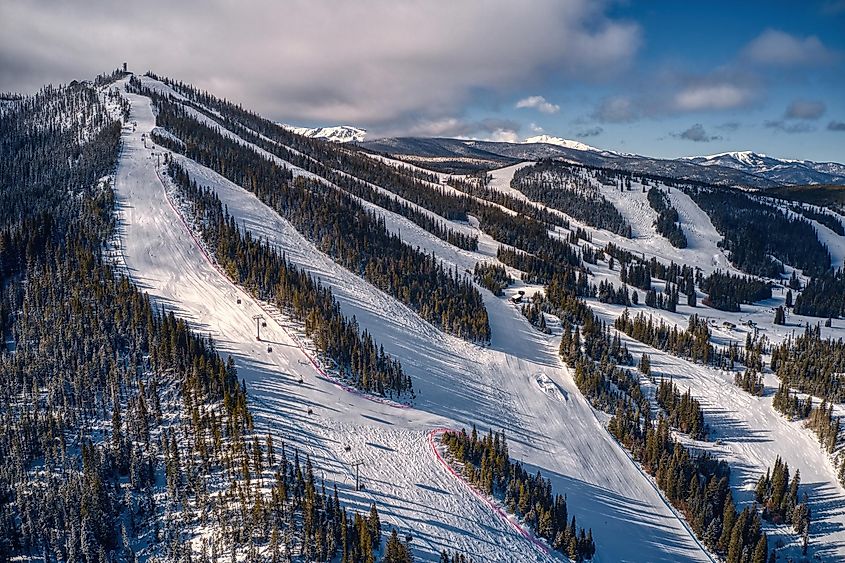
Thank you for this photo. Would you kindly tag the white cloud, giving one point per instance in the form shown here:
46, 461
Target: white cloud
503, 136
374, 63
539, 103
485, 129
534, 128
712, 97
774, 47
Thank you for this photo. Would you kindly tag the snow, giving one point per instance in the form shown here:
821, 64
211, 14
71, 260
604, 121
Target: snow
702, 250
835, 243
566, 143
781, 170
338, 134
749, 158
751, 433
457, 384
550, 388
436, 354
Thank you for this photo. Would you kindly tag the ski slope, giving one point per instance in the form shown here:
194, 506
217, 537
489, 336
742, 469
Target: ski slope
835, 243
457, 384
447, 372
749, 431
702, 250
163, 258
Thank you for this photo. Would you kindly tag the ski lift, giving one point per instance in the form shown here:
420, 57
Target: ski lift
263, 324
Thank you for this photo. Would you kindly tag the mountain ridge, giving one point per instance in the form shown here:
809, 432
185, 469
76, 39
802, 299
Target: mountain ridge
337, 133
756, 170
784, 171
738, 168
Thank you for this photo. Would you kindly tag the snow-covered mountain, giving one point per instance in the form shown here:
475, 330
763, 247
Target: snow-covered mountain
294, 206
742, 168
560, 142
450, 155
783, 171
337, 134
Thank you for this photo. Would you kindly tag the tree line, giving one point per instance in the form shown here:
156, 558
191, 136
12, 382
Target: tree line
824, 296
754, 232
812, 364
121, 430
257, 267
339, 226
350, 170
569, 189
829, 220
478, 186
486, 464
492, 276
779, 498
695, 484
726, 291
682, 411
668, 222
692, 343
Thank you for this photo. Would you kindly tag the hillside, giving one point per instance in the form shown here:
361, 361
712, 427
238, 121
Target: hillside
269, 343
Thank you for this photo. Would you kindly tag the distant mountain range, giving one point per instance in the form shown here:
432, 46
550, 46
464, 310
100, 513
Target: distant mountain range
337, 134
560, 142
742, 168
780, 170
738, 169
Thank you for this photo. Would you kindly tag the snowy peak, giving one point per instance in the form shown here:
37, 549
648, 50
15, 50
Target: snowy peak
337, 134
780, 170
735, 159
560, 142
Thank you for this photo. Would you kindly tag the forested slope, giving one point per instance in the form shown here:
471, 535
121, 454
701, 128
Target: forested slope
124, 433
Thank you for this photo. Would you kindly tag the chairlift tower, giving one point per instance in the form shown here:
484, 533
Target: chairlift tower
258, 319
356, 465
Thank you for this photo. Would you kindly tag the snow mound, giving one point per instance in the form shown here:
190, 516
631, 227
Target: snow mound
550, 388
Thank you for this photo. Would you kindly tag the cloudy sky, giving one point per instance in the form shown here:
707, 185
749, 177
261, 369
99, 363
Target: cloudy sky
655, 77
